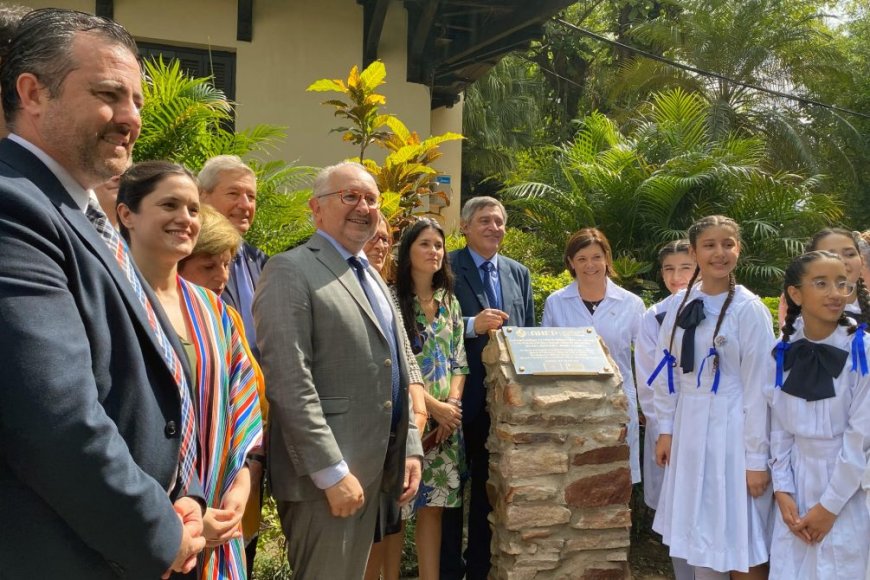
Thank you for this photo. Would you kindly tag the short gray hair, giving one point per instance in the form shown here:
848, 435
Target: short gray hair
477, 203
324, 175
42, 46
210, 174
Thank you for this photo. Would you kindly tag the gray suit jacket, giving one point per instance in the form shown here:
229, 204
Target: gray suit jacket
328, 376
89, 412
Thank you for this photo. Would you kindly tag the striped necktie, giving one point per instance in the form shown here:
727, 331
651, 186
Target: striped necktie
187, 449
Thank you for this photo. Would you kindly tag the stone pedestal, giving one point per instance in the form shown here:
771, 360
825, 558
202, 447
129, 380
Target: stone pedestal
559, 478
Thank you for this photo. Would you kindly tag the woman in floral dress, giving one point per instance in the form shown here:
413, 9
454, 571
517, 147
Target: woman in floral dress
433, 321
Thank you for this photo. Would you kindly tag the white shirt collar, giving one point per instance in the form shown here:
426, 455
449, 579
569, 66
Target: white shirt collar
79, 194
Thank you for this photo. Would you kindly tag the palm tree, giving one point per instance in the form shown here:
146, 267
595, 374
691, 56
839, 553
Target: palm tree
644, 186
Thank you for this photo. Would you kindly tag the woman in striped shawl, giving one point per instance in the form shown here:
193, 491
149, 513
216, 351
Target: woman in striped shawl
158, 211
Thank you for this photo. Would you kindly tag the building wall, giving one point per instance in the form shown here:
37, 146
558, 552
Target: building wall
294, 44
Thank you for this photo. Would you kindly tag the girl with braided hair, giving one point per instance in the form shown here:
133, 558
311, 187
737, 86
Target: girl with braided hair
713, 420
819, 393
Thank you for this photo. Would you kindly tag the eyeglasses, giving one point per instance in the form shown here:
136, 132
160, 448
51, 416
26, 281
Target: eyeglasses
841, 287
380, 239
352, 197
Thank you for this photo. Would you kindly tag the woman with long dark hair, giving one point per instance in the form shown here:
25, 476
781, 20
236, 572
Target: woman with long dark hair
433, 321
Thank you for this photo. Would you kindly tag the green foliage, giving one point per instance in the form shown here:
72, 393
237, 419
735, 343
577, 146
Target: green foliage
545, 284
187, 120
283, 218
644, 185
271, 561
772, 303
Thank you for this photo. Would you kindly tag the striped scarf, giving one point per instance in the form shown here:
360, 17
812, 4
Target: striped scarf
227, 411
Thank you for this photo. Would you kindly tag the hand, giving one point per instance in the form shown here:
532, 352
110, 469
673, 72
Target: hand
345, 497
757, 482
444, 433
489, 319
192, 541
663, 449
788, 510
817, 523
444, 413
222, 525
413, 472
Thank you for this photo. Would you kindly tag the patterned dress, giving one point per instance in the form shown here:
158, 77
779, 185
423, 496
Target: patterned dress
440, 352
228, 414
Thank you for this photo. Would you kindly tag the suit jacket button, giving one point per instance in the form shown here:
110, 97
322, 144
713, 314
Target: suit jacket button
388, 405
170, 430
388, 363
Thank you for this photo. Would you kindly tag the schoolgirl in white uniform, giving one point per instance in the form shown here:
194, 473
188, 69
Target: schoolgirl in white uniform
615, 313
716, 501
819, 393
677, 266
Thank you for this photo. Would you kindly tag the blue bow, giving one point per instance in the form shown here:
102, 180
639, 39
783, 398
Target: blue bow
859, 355
669, 360
781, 347
712, 352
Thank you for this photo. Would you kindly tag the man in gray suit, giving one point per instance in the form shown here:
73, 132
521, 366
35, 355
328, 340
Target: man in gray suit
334, 355
92, 485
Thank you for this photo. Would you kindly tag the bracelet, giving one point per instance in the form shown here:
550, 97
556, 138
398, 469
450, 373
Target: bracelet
454, 401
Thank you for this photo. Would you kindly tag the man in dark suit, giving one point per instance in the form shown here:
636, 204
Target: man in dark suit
227, 184
494, 291
334, 355
90, 406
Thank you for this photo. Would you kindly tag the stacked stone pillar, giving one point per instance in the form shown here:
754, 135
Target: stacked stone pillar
559, 477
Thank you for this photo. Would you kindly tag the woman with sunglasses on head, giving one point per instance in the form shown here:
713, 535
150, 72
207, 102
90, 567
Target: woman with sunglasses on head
819, 394
433, 321
158, 213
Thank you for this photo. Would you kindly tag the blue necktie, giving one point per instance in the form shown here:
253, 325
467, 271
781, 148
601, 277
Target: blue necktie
246, 298
386, 326
488, 285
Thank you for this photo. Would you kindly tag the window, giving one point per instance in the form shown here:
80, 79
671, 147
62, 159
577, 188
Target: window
199, 62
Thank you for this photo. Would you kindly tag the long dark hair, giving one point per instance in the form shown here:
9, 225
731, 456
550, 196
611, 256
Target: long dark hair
696, 230
140, 180
442, 279
860, 287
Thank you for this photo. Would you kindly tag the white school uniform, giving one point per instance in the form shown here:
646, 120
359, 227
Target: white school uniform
617, 321
819, 454
705, 513
646, 358
866, 485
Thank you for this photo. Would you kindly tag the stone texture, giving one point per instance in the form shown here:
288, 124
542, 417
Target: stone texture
520, 517
531, 462
559, 480
600, 490
601, 455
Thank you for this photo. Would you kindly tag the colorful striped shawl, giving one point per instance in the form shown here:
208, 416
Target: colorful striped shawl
227, 409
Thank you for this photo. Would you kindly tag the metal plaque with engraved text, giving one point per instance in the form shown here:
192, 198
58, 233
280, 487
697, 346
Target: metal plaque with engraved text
556, 351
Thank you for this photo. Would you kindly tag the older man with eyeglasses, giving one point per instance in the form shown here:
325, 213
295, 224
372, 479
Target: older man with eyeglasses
334, 357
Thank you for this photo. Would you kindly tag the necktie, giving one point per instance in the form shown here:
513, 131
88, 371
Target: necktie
812, 367
187, 449
690, 317
489, 286
246, 296
384, 320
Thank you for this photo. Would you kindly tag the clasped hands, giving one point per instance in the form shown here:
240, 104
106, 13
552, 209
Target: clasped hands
813, 527
447, 415
192, 539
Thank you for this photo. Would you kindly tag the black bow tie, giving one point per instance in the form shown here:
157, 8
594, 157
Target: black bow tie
689, 318
813, 367
661, 317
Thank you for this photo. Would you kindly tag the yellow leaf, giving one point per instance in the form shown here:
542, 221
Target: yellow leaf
353, 78
373, 76
375, 99
325, 85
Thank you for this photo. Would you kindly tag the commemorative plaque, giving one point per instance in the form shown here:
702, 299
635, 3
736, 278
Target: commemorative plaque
556, 351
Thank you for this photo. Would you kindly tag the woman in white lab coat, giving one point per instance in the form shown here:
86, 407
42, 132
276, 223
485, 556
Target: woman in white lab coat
593, 299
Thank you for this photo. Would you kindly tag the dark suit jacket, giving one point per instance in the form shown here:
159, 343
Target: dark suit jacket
255, 259
328, 375
516, 290
89, 412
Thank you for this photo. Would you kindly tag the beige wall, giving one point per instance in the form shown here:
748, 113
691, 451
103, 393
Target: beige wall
295, 43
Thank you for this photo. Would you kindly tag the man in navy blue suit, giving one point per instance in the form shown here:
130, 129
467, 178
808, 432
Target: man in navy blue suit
494, 291
92, 482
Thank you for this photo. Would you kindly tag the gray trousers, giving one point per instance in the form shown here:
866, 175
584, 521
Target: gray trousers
321, 546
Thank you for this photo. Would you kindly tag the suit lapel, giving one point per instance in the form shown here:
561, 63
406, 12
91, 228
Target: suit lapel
35, 171
472, 276
327, 255
509, 291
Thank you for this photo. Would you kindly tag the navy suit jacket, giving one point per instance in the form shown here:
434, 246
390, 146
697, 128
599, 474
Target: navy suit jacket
516, 290
89, 412
255, 260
